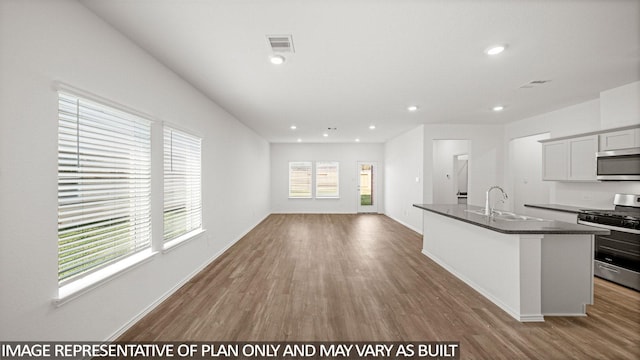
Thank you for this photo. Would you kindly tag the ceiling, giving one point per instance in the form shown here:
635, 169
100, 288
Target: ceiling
359, 63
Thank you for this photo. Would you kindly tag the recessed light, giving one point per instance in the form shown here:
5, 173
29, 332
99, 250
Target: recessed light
293, 127
357, 140
299, 140
495, 50
372, 127
325, 135
412, 108
276, 59
498, 108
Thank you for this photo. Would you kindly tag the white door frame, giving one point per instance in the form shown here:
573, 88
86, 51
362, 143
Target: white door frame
373, 208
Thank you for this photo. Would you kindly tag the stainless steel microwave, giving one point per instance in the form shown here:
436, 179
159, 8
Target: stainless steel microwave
618, 164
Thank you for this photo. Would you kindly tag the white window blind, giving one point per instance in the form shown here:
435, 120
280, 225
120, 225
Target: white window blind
182, 184
327, 184
300, 179
104, 186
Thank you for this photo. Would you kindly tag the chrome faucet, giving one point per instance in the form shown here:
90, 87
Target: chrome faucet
489, 210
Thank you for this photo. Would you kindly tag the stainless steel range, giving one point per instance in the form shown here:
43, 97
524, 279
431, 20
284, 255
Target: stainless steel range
617, 256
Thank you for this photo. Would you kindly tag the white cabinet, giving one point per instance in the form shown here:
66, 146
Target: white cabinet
623, 139
582, 158
571, 159
554, 160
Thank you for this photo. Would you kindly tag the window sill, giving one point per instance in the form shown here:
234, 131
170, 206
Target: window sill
172, 244
76, 288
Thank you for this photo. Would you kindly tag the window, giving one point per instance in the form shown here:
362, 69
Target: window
327, 184
104, 186
182, 184
300, 179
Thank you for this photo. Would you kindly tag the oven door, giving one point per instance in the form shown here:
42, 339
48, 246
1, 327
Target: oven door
617, 258
618, 164
621, 249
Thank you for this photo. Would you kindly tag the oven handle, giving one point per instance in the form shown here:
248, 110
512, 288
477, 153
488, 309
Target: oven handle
608, 269
631, 231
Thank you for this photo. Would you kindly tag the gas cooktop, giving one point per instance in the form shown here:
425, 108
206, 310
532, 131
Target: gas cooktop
621, 214
626, 214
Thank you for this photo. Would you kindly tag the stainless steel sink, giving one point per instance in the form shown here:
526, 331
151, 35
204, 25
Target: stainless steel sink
479, 211
506, 216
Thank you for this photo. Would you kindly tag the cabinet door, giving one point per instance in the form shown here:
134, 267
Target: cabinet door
582, 158
554, 160
616, 140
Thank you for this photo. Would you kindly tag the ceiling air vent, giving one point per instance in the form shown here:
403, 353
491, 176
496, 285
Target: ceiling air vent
534, 83
281, 43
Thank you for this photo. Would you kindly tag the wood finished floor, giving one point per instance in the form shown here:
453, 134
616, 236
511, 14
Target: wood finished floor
363, 278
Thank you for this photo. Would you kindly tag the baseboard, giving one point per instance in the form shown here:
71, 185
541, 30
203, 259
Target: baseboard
313, 212
175, 288
515, 314
419, 231
530, 318
566, 314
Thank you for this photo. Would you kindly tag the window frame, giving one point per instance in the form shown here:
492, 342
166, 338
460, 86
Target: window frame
197, 205
104, 131
309, 175
319, 183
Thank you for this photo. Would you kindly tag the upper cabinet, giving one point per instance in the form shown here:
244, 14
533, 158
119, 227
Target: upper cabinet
573, 158
570, 159
582, 158
622, 139
554, 160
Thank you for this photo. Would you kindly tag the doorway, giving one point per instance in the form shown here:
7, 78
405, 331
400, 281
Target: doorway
461, 177
451, 161
367, 187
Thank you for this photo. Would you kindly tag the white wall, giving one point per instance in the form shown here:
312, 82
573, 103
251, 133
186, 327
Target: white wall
403, 157
445, 181
486, 157
49, 40
620, 106
575, 119
523, 179
346, 154
594, 115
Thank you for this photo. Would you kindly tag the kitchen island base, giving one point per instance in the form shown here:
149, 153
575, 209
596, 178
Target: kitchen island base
527, 275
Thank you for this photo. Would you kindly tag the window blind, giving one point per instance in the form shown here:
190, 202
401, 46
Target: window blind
300, 179
104, 186
327, 175
182, 183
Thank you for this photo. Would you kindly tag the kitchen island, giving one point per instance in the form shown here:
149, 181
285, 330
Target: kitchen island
529, 267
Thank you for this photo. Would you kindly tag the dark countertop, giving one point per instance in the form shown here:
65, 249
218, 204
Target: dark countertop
509, 227
559, 207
